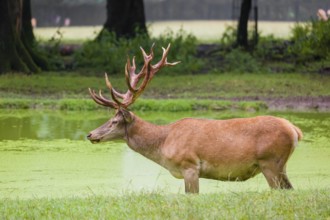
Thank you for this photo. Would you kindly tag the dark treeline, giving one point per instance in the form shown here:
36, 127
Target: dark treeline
88, 12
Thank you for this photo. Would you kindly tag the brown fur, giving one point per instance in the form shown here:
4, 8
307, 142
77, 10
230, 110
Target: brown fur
229, 150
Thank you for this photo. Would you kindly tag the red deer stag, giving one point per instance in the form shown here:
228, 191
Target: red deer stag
229, 150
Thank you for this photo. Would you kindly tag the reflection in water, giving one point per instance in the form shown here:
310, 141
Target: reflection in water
48, 125
46, 154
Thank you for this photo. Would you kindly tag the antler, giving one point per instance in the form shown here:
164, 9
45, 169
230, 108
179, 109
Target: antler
132, 79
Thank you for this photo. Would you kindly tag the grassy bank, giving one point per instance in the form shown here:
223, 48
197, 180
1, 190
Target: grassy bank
213, 86
171, 105
68, 91
314, 204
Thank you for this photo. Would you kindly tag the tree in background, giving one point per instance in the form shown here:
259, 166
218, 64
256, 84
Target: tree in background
242, 29
125, 18
17, 52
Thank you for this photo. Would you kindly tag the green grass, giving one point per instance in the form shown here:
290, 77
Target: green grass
68, 91
171, 105
206, 86
311, 204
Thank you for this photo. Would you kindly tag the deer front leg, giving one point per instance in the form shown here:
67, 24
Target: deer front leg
191, 180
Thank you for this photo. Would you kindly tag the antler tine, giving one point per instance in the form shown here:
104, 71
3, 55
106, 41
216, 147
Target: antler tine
164, 57
114, 94
152, 49
163, 62
130, 67
110, 87
132, 78
165, 52
147, 58
114, 97
145, 71
101, 100
94, 96
105, 100
133, 95
128, 76
144, 53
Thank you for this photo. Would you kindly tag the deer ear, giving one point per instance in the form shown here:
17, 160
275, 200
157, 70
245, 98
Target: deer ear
127, 115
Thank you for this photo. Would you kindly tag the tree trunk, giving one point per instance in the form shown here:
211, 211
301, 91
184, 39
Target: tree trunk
125, 18
16, 43
27, 30
28, 37
242, 30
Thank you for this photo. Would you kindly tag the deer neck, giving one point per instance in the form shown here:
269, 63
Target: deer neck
146, 138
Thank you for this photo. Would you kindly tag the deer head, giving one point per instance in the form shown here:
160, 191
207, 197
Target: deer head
116, 127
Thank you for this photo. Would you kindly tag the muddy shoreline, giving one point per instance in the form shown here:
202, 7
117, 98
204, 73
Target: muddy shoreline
321, 103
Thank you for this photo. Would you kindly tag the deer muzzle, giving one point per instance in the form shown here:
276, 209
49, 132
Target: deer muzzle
93, 139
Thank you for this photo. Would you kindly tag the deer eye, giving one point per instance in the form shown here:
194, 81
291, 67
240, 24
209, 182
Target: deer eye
114, 122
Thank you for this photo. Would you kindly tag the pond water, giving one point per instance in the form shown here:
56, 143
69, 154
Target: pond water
46, 154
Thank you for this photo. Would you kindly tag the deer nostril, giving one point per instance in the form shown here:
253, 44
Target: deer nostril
90, 135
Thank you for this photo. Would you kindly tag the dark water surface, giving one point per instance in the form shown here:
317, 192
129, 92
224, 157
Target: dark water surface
45, 153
